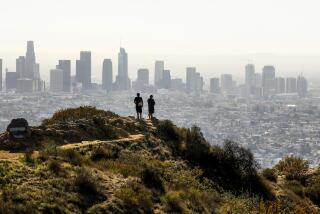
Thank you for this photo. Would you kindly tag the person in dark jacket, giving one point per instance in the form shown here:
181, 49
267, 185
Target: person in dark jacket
139, 105
151, 104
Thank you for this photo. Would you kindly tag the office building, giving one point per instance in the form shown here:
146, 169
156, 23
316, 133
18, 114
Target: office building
177, 84
143, 76
21, 66
268, 81
25, 85
30, 59
166, 80
214, 85
190, 79
291, 85
65, 66
302, 86
56, 80
226, 83
11, 80
158, 73
83, 69
122, 80
249, 79
280, 85
107, 75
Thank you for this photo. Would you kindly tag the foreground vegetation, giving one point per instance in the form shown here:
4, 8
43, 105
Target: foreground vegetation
169, 170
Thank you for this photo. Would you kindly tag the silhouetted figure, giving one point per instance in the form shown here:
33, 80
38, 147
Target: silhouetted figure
139, 104
151, 104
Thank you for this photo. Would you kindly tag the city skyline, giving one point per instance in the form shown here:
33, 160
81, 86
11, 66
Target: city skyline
95, 73
220, 36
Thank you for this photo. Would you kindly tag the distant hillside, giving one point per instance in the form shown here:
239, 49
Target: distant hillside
86, 160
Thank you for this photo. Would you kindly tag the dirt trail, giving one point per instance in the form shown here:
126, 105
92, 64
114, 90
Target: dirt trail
97, 142
6, 155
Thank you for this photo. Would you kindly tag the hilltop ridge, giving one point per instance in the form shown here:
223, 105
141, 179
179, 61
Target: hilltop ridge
86, 160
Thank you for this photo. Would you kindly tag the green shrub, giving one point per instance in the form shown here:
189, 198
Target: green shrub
28, 157
135, 196
294, 168
152, 178
269, 174
72, 114
295, 186
312, 191
86, 183
175, 203
101, 153
196, 145
54, 166
168, 131
72, 156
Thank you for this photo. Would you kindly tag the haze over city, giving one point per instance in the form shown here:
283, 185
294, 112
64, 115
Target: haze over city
215, 36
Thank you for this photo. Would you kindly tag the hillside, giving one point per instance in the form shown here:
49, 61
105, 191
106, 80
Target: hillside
86, 160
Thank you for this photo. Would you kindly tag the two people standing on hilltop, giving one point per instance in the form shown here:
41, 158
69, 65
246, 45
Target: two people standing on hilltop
138, 101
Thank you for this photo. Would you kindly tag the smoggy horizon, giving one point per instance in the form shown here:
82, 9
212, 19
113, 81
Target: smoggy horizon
215, 36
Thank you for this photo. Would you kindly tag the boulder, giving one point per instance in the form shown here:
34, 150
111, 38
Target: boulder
19, 128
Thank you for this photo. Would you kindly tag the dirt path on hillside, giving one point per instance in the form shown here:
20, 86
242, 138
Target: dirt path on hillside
6, 155
131, 138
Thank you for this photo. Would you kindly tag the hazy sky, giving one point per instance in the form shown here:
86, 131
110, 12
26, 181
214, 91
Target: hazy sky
216, 36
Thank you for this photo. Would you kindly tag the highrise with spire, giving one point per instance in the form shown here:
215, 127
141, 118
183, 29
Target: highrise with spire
122, 80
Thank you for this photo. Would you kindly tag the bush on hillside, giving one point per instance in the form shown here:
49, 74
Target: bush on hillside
312, 191
269, 174
152, 178
294, 168
196, 145
295, 186
136, 197
72, 114
86, 183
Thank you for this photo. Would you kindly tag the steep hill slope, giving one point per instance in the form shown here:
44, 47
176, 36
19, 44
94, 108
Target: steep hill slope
86, 160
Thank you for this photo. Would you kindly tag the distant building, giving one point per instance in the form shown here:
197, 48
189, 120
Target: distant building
143, 76
83, 69
226, 83
250, 82
1, 74
25, 85
258, 80
65, 66
166, 81
158, 73
291, 85
122, 80
214, 85
302, 86
56, 80
177, 84
194, 81
21, 66
30, 61
280, 85
107, 75
268, 81
11, 80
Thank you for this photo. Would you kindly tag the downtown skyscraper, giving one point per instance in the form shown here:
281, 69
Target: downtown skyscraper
83, 69
249, 79
268, 80
158, 73
122, 80
107, 75
65, 66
